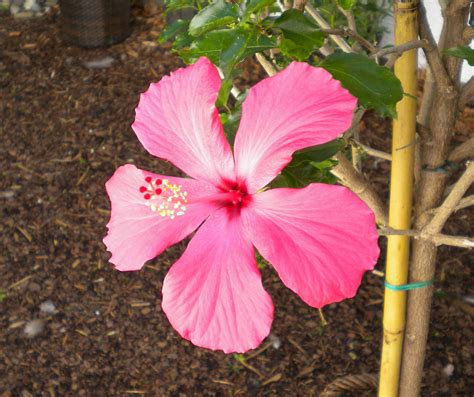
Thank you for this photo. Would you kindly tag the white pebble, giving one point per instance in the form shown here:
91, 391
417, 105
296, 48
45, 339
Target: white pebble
276, 341
48, 307
34, 327
448, 370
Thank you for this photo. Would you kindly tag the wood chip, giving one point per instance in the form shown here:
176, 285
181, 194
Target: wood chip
273, 379
295, 344
222, 382
25, 233
305, 371
16, 324
61, 223
18, 283
81, 332
82, 177
140, 304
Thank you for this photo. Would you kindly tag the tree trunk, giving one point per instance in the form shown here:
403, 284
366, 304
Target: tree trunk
432, 185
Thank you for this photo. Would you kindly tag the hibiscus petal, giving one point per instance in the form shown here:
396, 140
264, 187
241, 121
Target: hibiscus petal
136, 231
177, 120
213, 296
320, 239
299, 107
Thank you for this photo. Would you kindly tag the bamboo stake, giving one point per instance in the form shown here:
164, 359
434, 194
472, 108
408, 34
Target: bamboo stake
401, 187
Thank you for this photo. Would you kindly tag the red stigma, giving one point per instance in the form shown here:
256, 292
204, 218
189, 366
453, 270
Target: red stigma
148, 179
158, 182
158, 191
147, 197
142, 189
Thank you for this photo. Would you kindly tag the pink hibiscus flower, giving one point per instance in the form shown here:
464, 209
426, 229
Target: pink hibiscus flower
320, 239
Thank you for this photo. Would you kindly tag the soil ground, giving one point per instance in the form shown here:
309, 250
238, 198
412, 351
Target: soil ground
64, 130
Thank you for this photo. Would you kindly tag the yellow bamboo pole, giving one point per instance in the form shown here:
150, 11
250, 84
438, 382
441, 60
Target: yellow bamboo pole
401, 187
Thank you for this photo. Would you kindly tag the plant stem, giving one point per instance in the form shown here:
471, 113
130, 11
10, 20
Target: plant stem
467, 93
361, 186
436, 238
435, 149
268, 66
341, 43
399, 49
353, 34
449, 205
371, 151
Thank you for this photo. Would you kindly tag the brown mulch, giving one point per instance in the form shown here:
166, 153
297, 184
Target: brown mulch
64, 129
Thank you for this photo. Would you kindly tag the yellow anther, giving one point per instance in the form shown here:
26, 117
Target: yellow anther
166, 198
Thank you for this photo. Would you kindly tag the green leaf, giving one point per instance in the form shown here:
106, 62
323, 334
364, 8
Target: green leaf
213, 44
465, 52
258, 43
209, 45
3, 295
310, 165
254, 6
215, 15
233, 54
301, 36
182, 40
224, 93
239, 357
376, 87
175, 5
173, 29
293, 50
230, 122
318, 153
346, 4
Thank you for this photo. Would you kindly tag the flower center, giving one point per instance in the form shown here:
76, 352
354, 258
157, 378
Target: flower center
235, 195
236, 198
163, 197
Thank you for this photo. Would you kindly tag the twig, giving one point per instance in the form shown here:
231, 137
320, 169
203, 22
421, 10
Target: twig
351, 33
287, 4
431, 52
356, 155
360, 186
299, 4
467, 93
399, 49
462, 152
341, 43
353, 132
450, 203
359, 113
266, 64
371, 151
453, 241
436, 238
350, 18
464, 203
251, 368
468, 34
